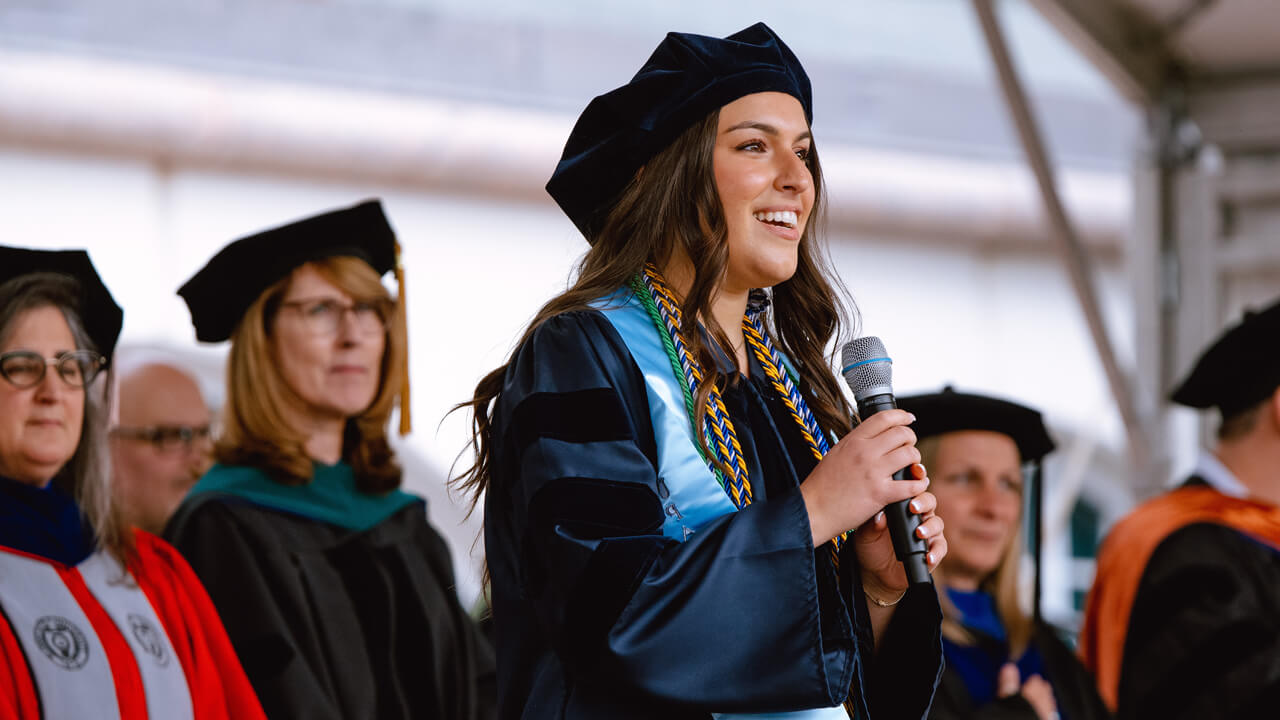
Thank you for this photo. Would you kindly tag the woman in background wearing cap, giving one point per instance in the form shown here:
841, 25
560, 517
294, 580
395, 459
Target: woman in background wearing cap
337, 593
1001, 662
97, 620
638, 572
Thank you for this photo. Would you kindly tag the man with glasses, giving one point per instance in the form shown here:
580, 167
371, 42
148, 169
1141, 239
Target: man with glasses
160, 445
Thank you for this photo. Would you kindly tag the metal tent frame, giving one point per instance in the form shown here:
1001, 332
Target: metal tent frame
1205, 238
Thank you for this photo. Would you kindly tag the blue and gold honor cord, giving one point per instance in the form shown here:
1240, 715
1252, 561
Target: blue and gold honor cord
717, 428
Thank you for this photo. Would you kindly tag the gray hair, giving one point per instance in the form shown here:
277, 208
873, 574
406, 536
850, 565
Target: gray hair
87, 475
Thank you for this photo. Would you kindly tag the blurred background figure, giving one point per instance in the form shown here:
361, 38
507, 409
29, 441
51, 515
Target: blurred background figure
1184, 617
1002, 661
161, 443
335, 589
97, 619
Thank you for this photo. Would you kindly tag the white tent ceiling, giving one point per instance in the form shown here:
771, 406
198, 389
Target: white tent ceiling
1148, 47
1214, 37
1204, 240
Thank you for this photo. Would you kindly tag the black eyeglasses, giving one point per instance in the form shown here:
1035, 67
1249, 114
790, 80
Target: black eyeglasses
25, 368
166, 438
323, 316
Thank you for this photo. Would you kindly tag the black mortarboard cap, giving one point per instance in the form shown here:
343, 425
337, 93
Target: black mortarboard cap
101, 315
951, 411
1240, 369
687, 77
222, 291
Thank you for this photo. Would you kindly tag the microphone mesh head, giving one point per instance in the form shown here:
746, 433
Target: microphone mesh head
866, 366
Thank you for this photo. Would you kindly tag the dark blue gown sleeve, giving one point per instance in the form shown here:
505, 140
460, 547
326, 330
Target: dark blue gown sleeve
744, 615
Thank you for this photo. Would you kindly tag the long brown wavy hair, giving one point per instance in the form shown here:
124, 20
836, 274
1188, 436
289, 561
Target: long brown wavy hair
671, 203
255, 432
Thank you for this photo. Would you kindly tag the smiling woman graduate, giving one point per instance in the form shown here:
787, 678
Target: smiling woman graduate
665, 500
337, 593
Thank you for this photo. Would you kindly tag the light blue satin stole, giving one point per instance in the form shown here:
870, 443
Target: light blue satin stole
691, 496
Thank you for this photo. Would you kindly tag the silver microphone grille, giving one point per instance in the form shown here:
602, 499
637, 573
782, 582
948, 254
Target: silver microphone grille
866, 366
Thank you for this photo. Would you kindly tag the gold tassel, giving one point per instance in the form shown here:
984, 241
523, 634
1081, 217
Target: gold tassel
406, 422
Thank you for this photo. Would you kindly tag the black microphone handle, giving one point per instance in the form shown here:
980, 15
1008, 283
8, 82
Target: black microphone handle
909, 547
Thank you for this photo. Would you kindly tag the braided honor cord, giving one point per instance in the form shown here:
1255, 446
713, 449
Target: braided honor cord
771, 361
664, 309
780, 377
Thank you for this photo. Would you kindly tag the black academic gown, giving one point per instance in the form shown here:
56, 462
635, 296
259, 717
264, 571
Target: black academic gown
336, 624
1204, 633
1073, 686
598, 615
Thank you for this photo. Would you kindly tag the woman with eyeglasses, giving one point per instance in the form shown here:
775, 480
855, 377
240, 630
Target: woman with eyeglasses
335, 590
96, 619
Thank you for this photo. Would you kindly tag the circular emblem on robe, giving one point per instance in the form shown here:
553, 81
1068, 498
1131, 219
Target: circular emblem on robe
62, 642
149, 639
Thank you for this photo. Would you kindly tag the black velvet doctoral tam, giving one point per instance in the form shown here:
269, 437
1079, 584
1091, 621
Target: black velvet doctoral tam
686, 77
951, 411
1239, 370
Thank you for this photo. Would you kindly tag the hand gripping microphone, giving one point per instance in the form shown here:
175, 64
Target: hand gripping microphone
869, 371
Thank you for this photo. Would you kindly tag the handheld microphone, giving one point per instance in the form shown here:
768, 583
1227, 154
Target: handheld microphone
869, 371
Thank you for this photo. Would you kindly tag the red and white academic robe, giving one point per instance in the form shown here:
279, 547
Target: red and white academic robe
92, 641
